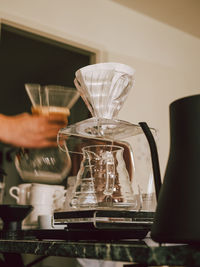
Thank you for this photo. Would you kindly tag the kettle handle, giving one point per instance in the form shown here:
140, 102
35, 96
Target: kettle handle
154, 157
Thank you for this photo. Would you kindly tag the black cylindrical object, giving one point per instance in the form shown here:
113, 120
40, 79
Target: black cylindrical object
177, 218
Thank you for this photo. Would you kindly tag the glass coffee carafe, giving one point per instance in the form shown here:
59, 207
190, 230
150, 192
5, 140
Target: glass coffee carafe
47, 165
103, 180
115, 170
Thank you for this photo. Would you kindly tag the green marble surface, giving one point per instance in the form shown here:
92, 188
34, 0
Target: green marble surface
145, 251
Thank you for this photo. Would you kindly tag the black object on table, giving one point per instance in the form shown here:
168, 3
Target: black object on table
12, 217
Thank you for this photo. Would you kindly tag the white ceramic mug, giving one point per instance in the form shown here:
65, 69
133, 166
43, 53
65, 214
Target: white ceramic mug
42, 198
43, 194
21, 193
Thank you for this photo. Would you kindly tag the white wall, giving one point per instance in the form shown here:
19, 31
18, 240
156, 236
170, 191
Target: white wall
167, 61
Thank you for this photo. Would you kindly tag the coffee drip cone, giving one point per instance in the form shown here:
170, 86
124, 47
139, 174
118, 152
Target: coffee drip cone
46, 165
52, 98
104, 87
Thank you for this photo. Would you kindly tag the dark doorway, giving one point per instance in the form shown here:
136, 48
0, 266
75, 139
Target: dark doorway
26, 57
30, 58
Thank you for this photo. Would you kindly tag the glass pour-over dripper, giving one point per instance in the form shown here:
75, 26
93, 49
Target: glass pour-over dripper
48, 165
104, 88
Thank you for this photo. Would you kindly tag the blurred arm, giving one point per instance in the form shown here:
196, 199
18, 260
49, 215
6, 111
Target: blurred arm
31, 131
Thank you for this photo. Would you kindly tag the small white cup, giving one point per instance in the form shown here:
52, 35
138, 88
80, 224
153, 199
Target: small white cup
21, 193
45, 221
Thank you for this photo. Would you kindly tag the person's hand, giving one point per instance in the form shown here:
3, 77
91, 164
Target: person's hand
31, 131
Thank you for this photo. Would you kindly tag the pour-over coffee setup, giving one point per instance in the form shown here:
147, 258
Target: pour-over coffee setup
118, 181
114, 189
107, 194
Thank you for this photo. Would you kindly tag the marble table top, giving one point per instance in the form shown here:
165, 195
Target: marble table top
144, 251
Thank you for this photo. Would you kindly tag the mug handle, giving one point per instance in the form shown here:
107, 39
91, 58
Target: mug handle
12, 190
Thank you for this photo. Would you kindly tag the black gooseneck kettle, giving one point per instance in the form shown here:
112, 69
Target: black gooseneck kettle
177, 217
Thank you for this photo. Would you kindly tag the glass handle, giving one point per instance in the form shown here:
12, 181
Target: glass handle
110, 179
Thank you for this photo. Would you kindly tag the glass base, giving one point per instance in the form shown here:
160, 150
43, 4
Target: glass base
102, 128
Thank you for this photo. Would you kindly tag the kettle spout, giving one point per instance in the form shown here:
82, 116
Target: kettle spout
154, 157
